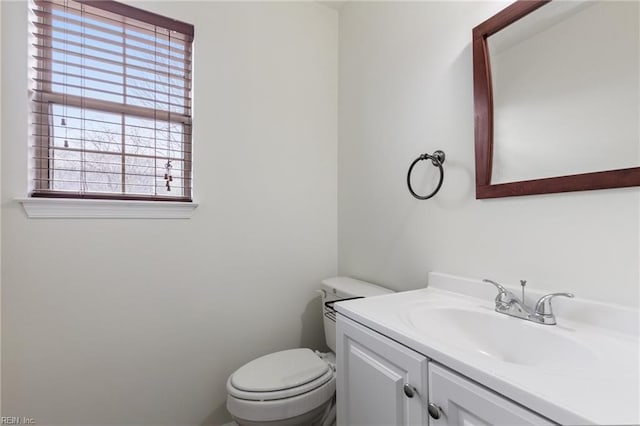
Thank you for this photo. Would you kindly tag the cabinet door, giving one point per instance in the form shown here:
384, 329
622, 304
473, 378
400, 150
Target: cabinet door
465, 403
372, 373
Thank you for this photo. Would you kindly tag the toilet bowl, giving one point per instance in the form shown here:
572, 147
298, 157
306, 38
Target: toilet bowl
294, 387
290, 387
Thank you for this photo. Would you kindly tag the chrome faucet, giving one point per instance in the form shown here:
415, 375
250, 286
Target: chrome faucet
508, 303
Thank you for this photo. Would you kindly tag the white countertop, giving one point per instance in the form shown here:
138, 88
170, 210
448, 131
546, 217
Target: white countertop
606, 393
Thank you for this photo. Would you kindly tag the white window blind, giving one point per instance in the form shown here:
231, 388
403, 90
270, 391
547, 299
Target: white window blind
111, 102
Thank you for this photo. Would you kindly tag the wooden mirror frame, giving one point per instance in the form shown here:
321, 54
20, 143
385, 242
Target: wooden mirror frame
483, 105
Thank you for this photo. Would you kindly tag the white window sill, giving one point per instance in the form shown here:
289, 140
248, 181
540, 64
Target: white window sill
105, 209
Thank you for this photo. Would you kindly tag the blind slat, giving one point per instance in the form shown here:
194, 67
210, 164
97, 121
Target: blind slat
174, 187
162, 153
180, 100
91, 76
74, 136
98, 182
155, 174
156, 167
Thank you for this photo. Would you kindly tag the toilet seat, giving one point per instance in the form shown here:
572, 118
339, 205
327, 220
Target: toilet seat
280, 375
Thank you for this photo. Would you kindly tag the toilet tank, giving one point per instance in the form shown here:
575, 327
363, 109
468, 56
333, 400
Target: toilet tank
338, 288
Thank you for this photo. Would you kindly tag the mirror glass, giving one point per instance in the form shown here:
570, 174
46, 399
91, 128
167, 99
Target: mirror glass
566, 93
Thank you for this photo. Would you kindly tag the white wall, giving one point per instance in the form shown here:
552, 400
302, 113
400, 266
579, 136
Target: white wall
141, 321
405, 89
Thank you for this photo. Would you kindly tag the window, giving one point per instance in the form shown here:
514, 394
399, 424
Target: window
111, 102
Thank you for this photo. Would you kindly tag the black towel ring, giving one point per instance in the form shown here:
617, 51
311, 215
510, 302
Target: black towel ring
437, 159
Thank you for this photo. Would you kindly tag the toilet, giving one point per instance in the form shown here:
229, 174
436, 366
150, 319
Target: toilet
295, 387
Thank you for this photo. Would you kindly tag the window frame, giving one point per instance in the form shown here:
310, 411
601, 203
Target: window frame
42, 112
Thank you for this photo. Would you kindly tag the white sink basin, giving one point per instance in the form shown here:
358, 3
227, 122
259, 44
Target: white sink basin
503, 338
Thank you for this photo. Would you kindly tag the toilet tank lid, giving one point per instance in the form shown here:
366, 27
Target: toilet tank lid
351, 287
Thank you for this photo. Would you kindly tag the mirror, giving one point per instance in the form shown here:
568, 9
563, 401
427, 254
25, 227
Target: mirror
557, 98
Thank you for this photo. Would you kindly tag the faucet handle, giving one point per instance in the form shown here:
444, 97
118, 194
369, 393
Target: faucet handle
504, 296
501, 289
544, 308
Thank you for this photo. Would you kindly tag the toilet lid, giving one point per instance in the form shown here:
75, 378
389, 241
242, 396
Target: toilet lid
279, 371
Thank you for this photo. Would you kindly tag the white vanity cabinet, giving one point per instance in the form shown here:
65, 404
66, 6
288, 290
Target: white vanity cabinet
383, 383
373, 373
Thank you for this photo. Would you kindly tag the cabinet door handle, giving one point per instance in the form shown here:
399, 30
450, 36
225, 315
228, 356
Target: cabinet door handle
434, 411
409, 390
